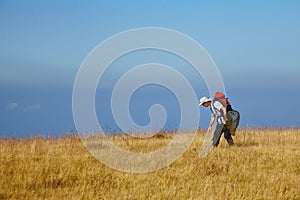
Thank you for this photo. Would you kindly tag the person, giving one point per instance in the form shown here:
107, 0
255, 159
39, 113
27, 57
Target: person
219, 114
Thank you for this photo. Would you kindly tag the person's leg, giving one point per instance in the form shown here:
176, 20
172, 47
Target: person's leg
217, 135
227, 136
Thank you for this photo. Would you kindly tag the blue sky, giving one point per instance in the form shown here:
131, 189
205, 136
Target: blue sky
255, 45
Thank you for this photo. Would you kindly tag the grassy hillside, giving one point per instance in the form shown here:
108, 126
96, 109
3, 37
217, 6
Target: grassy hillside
264, 164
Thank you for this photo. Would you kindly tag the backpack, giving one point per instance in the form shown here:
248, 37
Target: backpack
221, 97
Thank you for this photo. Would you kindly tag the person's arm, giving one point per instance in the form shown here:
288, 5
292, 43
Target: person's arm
224, 114
212, 120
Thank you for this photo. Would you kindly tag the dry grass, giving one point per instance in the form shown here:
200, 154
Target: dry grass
265, 164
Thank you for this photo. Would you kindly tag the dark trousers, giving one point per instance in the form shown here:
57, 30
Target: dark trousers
222, 128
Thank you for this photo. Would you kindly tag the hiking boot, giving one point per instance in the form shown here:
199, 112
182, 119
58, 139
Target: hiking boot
230, 142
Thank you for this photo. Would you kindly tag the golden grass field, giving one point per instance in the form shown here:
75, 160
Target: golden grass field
264, 164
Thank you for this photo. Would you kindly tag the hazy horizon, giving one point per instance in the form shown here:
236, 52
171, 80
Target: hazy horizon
50, 114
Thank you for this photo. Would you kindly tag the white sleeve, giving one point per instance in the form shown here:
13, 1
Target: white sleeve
218, 105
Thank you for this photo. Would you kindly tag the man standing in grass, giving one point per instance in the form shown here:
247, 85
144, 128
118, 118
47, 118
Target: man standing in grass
219, 112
